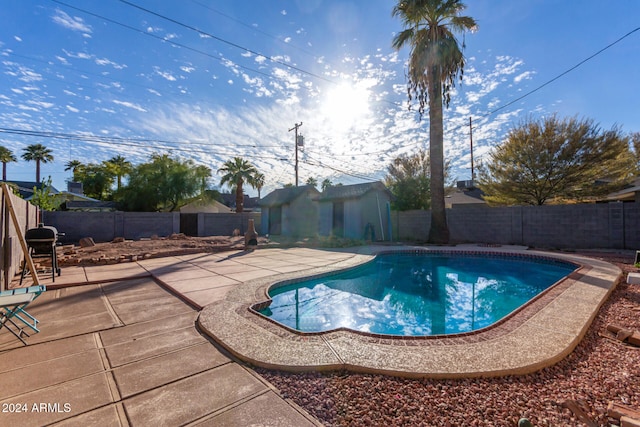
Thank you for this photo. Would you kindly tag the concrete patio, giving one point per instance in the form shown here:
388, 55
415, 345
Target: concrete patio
118, 348
120, 345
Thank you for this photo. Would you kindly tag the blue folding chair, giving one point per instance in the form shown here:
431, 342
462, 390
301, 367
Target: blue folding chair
12, 308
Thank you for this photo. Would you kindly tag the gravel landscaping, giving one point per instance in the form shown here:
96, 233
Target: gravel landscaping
599, 371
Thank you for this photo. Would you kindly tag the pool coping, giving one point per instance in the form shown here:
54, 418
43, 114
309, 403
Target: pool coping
538, 335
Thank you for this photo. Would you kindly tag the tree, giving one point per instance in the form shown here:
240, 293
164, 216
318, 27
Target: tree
37, 153
97, 179
72, 165
43, 198
326, 183
6, 156
236, 172
409, 181
556, 160
203, 173
119, 167
312, 181
258, 182
163, 184
435, 62
635, 142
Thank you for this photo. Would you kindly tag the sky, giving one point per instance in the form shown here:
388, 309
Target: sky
209, 80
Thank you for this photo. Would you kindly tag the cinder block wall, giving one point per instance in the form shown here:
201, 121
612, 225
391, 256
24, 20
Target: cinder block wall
606, 225
223, 224
105, 226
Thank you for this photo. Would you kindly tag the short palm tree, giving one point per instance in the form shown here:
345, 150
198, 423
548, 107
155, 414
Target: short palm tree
37, 153
435, 63
120, 167
74, 166
6, 156
236, 172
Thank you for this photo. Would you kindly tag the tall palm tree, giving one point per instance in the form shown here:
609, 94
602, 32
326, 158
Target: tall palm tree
236, 172
258, 182
120, 167
435, 63
37, 153
6, 156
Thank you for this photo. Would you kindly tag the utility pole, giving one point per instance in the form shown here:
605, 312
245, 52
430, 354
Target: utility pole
473, 175
297, 125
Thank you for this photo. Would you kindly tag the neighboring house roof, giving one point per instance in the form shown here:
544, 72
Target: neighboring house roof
209, 206
351, 191
467, 196
25, 188
89, 205
284, 196
67, 195
229, 199
627, 194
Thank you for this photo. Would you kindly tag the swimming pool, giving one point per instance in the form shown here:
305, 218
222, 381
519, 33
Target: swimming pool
415, 294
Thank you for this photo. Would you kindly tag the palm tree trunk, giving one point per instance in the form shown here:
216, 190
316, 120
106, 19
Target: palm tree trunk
439, 231
4, 171
239, 198
37, 170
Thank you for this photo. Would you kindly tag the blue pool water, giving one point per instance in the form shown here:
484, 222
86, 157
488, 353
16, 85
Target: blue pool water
415, 294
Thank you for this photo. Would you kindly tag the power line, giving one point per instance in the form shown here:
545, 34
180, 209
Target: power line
131, 142
164, 39
563, 73
253, 28
230, 43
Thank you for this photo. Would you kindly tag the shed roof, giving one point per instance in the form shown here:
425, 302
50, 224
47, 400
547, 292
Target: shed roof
353, 191
283, 196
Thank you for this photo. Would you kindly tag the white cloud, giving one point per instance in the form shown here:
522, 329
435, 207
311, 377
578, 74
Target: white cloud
72, 109
187, 69
41, 103
18, 39
283, 12
23, 73
527, 75
72, 23
130, 105
165, 74
105, 61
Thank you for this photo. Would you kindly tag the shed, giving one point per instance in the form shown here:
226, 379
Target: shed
359, 211
290, 211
